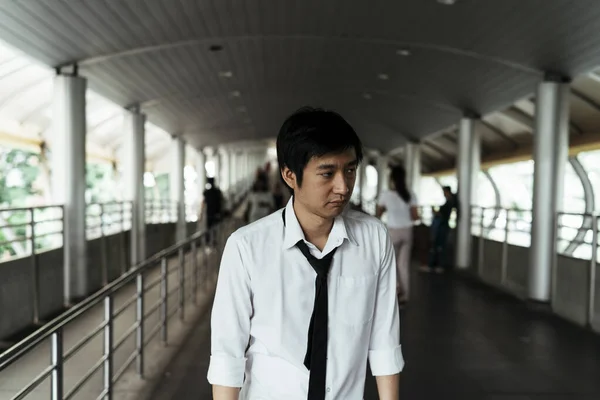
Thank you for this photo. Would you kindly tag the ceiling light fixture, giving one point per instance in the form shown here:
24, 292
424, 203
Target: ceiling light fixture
383, 77
242, 109
367, 96
225, 74
236, 93
403, 52
446, 2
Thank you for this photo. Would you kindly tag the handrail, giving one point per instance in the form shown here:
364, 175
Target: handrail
54, 329
48, 329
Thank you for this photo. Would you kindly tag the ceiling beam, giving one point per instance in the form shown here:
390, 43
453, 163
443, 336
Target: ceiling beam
439, 150
519, 117
498, 132
584, 98
83, 62
527, 120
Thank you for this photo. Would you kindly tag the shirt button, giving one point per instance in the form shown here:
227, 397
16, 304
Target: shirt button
329, 389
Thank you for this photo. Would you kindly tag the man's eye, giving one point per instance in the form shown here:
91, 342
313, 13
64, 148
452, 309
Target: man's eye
327, 174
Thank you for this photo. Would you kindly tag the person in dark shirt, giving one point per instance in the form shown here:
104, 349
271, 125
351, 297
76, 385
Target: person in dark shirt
440, 229
213, 205
278, 196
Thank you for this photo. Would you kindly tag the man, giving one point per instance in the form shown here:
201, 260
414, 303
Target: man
307, 295
440, 229
213, 205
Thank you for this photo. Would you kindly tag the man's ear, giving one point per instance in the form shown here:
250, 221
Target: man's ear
289, 177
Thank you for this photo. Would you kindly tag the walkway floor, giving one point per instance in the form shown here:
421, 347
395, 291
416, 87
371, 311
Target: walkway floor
461, 340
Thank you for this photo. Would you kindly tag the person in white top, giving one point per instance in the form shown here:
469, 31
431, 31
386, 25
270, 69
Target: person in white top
306, 296
400, 205
261, 201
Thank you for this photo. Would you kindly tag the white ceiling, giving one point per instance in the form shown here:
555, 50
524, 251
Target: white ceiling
476, 56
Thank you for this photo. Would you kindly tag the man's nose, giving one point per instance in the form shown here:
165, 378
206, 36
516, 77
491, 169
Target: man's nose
340, 184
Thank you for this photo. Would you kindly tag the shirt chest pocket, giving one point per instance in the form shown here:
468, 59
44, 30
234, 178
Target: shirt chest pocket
354, 299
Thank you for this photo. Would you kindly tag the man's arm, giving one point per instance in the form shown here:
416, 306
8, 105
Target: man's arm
388, 386
225, 393
230, 323
385, 354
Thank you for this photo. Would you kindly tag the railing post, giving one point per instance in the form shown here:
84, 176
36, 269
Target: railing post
57, 365
195, 269
140, 324
592, 273
181, 283
35, 272
108, 346
103, 256
205, 257
504, 265
164, 295
123, 246
554, 259
480, 247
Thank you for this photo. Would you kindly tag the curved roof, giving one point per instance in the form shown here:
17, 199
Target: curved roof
25, 110
217, 71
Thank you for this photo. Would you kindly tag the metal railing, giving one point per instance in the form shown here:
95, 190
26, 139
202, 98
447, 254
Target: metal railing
574, 231
186, 253
427, 213
105, 219
512, 226
27, 231
576, 237
579, 231
161, 211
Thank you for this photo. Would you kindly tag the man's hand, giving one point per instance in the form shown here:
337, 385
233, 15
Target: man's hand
225, 393
388, 386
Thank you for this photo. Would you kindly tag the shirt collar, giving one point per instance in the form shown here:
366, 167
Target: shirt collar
293, 232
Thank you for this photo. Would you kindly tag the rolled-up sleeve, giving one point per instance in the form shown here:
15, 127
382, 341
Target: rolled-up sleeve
230, 319
385, 352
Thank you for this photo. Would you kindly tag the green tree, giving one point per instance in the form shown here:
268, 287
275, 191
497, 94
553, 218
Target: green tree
19, 170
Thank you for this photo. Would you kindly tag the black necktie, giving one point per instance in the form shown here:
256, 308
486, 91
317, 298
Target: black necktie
316, 349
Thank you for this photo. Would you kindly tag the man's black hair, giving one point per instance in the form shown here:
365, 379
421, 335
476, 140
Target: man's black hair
313, 132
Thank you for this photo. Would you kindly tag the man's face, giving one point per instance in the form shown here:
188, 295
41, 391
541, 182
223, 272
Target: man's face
327, 183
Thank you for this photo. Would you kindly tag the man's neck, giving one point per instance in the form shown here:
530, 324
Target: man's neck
316, 229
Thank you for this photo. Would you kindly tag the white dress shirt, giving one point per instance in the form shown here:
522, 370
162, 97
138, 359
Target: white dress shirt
265, 297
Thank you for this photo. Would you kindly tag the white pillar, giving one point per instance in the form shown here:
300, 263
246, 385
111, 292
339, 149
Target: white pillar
178, 186
382, 174
551, 142
224, 173
412, 165
362, 181
244, 170
468, 166
135, 166
68, 176
217, 162
201, 175
231, 168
